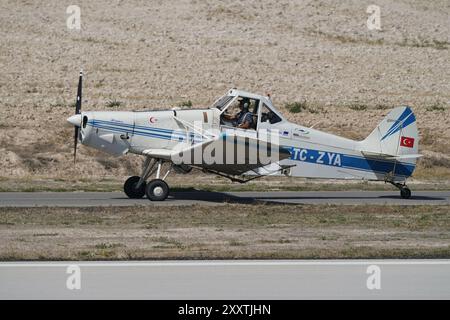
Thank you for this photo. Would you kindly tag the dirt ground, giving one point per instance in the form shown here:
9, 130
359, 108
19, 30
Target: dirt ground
228, 232
159, 55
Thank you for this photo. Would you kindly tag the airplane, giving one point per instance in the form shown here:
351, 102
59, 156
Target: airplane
178, 136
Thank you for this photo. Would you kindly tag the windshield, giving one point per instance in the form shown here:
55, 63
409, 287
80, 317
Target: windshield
222, 102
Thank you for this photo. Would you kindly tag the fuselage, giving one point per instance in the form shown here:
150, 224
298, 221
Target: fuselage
313, 153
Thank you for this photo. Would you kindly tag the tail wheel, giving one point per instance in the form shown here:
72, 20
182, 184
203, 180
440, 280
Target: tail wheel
131, 190
405, 193
157, 190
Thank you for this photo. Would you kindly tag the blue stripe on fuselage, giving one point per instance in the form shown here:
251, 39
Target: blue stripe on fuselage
125, 128
350, 161
136, 127
298, 154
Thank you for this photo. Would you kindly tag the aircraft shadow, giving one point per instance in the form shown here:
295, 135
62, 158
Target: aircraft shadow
213, 196
200, 195
224, 197
424, 198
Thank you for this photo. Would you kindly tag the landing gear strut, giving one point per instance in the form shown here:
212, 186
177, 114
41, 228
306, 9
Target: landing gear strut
405, 192
156, 189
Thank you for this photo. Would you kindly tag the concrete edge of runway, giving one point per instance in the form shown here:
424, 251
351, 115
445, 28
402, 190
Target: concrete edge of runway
227, 279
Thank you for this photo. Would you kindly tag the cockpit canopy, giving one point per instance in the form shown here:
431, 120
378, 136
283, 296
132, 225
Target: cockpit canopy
263, 113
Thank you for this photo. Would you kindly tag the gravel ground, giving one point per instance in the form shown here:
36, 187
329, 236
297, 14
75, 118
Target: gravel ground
162, 54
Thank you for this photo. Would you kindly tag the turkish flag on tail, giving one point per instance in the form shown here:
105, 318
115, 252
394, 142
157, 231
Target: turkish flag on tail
407, 142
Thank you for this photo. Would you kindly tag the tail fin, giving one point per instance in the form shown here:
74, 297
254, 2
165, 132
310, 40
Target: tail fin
395, 137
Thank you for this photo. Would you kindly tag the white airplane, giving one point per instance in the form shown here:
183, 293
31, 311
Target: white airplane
178, 136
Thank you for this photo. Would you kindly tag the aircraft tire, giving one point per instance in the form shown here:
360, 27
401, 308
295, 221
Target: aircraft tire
405, 193
157, 190
130, 188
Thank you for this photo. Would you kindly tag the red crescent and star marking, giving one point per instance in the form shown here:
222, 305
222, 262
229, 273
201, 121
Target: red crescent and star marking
407, 142
152, 119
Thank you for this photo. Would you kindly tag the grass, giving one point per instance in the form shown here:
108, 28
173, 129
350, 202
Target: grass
296, 107
418, 42
343, 38
92, 40
358, 107
108, 245
299, 106
58, 185
114, 104
99, 83
436, 107
223, 232
380, 106
215, 184
187, 103
59, 104
424, 43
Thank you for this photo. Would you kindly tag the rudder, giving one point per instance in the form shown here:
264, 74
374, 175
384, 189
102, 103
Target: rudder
396, 140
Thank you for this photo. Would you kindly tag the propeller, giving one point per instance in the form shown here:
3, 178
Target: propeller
77, 111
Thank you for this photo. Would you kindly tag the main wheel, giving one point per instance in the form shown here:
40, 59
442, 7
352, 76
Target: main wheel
405, 193
130, 188
157, 190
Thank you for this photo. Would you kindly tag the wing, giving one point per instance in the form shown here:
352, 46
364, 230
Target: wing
164, 154
227, 154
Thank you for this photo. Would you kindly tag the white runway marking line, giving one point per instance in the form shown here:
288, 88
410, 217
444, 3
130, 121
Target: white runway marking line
220, 264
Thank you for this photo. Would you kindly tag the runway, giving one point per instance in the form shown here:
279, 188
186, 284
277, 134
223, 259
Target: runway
240, 279
84, 199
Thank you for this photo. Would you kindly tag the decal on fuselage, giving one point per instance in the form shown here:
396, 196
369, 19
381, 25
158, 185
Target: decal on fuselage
315, 156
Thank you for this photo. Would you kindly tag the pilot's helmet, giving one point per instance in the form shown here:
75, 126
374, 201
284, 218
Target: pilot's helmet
245, 102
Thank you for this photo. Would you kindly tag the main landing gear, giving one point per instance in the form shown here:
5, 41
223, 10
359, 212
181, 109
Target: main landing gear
156, 190
405, 192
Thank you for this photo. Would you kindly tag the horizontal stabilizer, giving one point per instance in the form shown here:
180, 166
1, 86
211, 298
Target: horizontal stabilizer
408, 156
375, 155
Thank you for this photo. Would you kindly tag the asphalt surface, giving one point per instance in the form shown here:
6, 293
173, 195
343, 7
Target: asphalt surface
83, 199
291, 279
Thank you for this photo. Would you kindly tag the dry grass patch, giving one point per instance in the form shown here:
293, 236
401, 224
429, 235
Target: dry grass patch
205, 182
228, 231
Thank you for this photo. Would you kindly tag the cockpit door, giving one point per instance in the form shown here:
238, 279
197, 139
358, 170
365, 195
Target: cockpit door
269, 120
230, 126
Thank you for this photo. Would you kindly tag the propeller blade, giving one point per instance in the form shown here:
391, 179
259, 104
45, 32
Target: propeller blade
77, 111
75, 145
78, 103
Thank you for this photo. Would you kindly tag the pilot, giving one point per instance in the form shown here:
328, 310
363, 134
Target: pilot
244, 118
